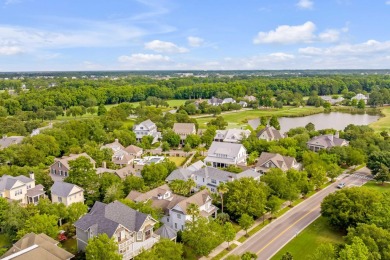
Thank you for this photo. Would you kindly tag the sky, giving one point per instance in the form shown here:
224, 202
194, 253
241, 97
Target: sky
74, 35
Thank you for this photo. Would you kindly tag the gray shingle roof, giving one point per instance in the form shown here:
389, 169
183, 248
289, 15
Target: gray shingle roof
225, 176
327, 141
7, 141
105, 218
7, 181
271, 132
63, 189
230, 149
166, 232
179, 174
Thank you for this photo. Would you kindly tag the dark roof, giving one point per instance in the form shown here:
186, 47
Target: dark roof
105, 218
179, 174
327, 141
63, 189
166, 232
271, 132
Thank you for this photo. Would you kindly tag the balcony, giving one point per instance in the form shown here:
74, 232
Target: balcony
137, 247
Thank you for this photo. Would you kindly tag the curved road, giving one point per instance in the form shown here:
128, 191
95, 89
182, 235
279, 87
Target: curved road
274, 236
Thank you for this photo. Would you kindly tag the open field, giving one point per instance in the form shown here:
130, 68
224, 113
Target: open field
384, 122
378, 186
308, 240
240, 118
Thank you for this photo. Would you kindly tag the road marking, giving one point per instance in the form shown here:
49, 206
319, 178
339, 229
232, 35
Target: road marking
284, 231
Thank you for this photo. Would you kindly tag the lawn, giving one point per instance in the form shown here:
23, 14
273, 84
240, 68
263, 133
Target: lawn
384, 122
4, 241
378, 186
177, 160
305, 244
70, 245
241, 117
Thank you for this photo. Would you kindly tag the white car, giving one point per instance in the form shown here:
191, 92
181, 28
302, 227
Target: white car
341, 185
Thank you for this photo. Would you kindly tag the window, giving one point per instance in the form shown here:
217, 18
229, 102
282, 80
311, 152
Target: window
178, 216
18, 192
60, 199
175, 225
139, 235
59, 165
213, 181
29, 186
182, 227
167, 218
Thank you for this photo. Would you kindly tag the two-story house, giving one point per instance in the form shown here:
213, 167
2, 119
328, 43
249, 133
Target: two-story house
211, 177
183, 130
134, 151
269, 133
21, 189
59, 170
224, 154
131, 229
231, 135
67, 193
120, 156
267, 161
325, 142
145, 128
7, 141
32, 246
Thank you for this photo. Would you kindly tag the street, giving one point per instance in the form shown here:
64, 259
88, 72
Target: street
275, 235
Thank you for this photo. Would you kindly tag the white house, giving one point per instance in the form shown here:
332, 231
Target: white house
267, 161
145, 128
67, 193
360, 96
224, 154
269, 133
231, 135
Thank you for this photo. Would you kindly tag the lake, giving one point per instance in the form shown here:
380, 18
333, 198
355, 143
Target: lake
335, 120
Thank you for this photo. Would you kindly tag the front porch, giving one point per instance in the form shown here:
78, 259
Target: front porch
35, 194
137, 247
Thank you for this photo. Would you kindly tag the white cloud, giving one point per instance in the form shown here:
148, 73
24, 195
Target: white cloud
305, 4
141, 58
281, 56
288, 34
10, 50
164, 47
330, 35
195, 41
10, 2
387, 2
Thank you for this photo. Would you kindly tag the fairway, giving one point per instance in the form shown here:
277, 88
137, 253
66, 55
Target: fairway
305, 244
240, 118
383, 124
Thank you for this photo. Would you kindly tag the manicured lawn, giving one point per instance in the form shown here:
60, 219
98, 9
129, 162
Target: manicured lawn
241, 117
378, 186
224, 252
305, 244
4, 241
383, 123
70, 245
178, 160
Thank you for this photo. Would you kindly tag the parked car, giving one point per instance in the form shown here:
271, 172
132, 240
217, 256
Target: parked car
341, 185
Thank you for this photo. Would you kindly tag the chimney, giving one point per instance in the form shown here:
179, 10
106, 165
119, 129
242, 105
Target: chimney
32, 175
116, 141
337, 134
104, 165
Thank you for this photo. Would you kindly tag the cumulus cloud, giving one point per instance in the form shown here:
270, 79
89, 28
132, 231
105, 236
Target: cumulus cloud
281, 56
288, 34
195, 41
141, 58
10, 50
305, 4
164, 47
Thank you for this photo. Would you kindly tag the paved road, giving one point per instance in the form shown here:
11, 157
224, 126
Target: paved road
273, 237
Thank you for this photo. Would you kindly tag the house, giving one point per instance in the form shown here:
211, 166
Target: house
243, 103
134, 151
359, 97
184, 129
165, 231
224, 154
231, 135
7, 141
325, 142
228, 101
211, 177
32, 246
131, 229
269, 133
178, 214
67, 193
214, 101
267, 161
37, 131
120, 156
59, 170
196, 166
146, 128
250, 98
185, 174
331, 100
21, 189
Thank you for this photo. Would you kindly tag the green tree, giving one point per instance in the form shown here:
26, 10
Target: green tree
193, 140
102, 247
219, 122
356, 251
287, 256
246, 222
163, 250
324, 252
165, 146
274, 122
171, 138
222, 189
274, 204
76, 211
333, 170
310, 127
208, 135
114, 192
383, 174
40, 224
361, 104
249, 256
228, 233
132, 182
263, 121
101, 110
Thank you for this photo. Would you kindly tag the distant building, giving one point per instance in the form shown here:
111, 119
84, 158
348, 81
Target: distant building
224, 154
231, 135
66, 193
134, 150
120, 156
269, 133
228, 101
243, 103
7, 141
267, 161
250, 98
325, 142
184, 130
359, 97
331, 100
32, 246
146, 128
59, 170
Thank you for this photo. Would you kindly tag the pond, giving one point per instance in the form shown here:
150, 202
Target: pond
335, 120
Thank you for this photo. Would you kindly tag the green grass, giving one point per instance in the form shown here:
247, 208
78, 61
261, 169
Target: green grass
178, 160
4, 240
189, 253
378, 186
224, 252
384, 122
70, 245
240, 118
308, 240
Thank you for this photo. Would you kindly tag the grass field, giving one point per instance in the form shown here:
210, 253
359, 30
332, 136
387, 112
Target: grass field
308, 240
384, 122
378, 186
240, 118
178, 160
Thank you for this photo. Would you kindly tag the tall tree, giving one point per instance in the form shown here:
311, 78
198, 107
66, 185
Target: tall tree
40, 224
246, 222
222, 189
274, 122
101, 247
228, 233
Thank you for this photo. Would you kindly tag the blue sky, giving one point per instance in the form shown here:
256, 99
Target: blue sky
38, 35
